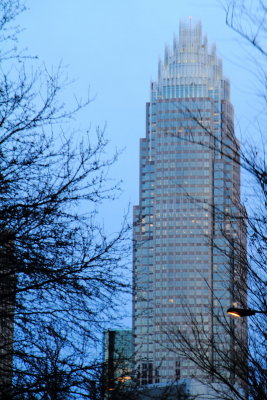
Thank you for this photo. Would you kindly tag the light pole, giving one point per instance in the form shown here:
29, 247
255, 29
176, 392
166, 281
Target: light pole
243, 312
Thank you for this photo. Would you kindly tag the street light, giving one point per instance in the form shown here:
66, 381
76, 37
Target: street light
243, 312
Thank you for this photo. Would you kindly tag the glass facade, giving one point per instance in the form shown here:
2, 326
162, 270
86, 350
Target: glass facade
118, 354
189, 183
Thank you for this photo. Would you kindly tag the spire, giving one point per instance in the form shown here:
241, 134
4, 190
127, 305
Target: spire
159, 68
166, 55
175, 44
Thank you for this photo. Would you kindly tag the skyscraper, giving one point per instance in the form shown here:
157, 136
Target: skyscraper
186, 236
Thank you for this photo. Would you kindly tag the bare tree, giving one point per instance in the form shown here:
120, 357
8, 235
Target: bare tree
61, 273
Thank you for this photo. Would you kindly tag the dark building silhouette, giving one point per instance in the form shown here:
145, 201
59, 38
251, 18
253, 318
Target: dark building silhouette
7, 305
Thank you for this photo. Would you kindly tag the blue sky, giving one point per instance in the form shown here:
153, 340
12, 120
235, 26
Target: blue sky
113, 47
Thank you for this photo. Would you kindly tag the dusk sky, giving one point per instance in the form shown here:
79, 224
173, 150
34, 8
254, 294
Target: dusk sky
113, 47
